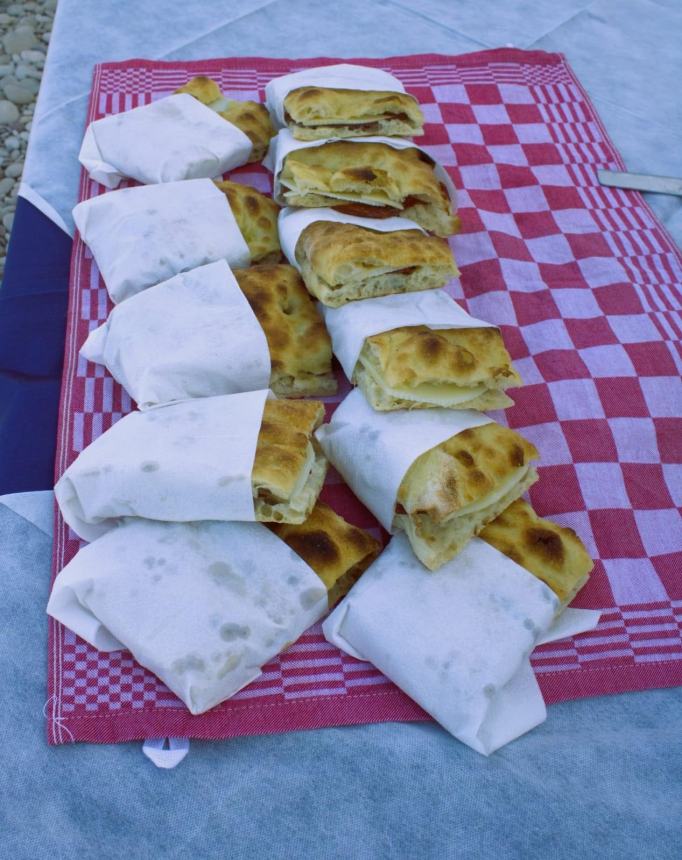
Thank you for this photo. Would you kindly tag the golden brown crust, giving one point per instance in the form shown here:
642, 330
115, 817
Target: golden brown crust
338, 173
300, 347
412, 355
337, 551
254, 120
314, 112
553, 553
341, 262
285, 436
256, 216
202, 88
464, 470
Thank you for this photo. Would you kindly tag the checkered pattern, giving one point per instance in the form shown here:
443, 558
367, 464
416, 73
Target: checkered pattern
585, 286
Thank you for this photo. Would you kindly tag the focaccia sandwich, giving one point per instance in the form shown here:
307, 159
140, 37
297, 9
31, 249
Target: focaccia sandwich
416, 367
256, 216
249, 116
456, 488
315, 113
344, 262
371, 179
553, 553
300, 347
337, 551
289, 467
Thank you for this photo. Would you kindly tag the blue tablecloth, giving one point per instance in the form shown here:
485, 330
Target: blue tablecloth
600, 778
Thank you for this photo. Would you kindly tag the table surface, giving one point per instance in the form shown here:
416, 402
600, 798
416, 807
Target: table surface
601, 776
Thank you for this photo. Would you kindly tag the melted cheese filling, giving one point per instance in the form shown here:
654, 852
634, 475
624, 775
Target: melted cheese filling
443, 394
492, 498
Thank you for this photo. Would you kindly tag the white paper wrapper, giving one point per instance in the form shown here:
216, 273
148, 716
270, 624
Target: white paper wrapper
292, 221
202, 605
284, 142
351, 324
194, 335
180, 463
457, 641
142, 236
173, 138
374, 450
342, 76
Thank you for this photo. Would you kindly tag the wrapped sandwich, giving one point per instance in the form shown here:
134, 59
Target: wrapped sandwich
193, 335
256, 215
235, 457
204, 606
168, 140
478, 618
374, 177
343, 101
337, 551
437, 474
343, 258
300, 349
142, 236
419, 352
250, 117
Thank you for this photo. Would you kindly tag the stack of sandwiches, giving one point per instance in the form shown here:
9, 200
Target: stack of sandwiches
224, 462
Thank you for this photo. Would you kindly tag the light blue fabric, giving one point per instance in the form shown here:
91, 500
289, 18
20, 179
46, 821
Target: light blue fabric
626, 55
601, 778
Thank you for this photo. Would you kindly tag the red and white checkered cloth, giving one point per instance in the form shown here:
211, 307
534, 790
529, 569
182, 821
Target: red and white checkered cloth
585, 284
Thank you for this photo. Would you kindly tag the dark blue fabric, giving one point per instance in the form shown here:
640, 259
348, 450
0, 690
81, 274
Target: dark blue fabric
33, 302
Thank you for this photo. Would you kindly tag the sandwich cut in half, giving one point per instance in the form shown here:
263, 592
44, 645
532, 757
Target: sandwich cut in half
337, 551
369, 179
416, 367
315, 113
256, 216
553, 553
300, 347
289, 467
250, 117
456, 488
343, 262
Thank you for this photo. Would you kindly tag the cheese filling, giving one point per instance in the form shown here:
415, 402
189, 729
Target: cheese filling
444, 394
491, 499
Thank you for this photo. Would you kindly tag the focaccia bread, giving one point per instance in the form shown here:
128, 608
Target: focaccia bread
256, 216
453, 490
289, 467
369, 179
337, 551
553, 553
416, 367
315, 113
251, 117
343, 262
300, 347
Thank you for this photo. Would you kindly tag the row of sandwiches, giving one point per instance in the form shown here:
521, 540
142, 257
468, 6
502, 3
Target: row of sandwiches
208, 324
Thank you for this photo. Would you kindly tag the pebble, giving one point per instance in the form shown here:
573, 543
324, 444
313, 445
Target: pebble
33, 56
9, 113
6, 185
14, 170
20, 93
8, 220
20, 39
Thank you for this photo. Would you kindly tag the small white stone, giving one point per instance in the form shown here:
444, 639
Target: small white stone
11, 143
14, 170
6, 69
7, 221
5, 18
6, 185
18, 40
33, 56
22, 93
9, 112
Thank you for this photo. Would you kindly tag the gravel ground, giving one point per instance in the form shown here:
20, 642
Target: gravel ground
24, 36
